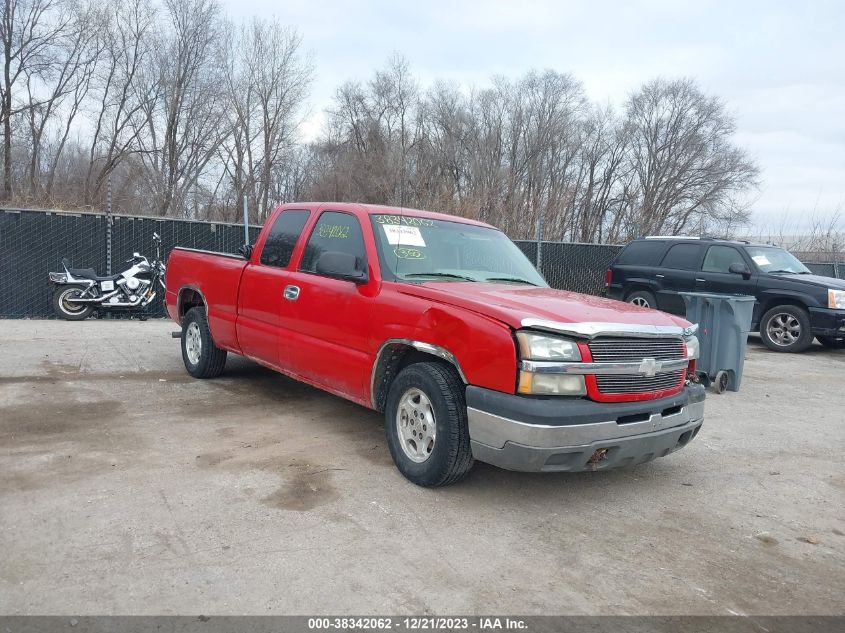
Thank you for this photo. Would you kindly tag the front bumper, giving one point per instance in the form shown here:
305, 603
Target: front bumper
552, 434
827, 322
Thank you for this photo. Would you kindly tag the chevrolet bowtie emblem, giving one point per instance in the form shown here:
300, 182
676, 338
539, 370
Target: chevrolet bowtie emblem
650, 366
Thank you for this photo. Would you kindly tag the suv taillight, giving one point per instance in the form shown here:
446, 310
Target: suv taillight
608, 277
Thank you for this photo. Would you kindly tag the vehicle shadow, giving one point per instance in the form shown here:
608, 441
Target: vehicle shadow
344, 421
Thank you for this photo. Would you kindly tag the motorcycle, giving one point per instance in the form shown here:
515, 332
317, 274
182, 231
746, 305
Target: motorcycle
80, 291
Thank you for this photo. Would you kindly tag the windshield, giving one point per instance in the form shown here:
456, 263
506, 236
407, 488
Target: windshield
412, 248
771, 259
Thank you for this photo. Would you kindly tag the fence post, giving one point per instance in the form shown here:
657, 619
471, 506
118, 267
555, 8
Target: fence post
246, 224
540, 241
108, 224
836, 265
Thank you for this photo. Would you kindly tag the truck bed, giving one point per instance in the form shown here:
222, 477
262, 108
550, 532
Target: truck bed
216, 276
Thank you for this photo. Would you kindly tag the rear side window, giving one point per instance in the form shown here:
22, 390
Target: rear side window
642, 253
682, 256
338, 233
720, 258
282, 238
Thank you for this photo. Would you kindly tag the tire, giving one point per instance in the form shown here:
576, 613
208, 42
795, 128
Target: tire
786, 328
202, 358
430, 389
832, 342
65, 310
642, 298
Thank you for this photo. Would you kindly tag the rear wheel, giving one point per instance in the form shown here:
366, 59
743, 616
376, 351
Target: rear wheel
786, 328
642, 298
832, 342
426, 425
64, 306
202, 358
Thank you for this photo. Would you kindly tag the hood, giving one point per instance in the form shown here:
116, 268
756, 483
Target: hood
513, 303
816, 280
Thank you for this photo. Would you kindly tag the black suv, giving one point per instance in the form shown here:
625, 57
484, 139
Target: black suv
793, 305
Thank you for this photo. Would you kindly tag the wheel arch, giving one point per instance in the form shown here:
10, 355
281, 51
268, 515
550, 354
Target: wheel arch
397, 353
634, 286
189, 297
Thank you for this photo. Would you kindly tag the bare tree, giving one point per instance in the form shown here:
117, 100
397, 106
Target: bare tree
688, 171
29, 30
267, 78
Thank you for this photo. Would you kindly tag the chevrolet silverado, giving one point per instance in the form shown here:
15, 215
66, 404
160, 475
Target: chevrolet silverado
442, 324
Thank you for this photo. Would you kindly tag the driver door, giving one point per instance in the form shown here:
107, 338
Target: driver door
326, 320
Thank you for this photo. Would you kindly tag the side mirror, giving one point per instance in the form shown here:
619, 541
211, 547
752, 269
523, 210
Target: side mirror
340, 266
740, 269
245, 251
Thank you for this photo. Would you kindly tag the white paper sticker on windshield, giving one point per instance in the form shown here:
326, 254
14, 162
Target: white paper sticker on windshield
403, 235
761, 260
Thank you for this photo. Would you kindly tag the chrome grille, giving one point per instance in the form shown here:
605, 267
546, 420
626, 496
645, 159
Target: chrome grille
633, 350
628, 350
638, 384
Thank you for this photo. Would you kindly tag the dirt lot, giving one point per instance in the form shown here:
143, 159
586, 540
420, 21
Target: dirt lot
128, 487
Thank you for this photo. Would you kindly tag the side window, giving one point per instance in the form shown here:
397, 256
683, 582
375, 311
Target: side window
334, 233
282, 238
642, 253
720, 258
682, 256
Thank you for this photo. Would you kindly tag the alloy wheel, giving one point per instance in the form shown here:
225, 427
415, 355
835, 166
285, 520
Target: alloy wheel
415, 425
783, 329
193, 343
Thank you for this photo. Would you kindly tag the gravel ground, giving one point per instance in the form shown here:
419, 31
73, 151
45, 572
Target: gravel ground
126, 487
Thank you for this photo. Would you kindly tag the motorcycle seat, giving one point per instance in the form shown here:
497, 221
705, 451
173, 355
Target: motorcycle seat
90, 273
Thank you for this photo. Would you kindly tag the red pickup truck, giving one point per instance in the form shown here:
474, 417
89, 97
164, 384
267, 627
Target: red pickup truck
442, 324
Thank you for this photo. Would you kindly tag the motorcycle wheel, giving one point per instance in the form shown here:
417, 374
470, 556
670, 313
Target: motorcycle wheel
68, 310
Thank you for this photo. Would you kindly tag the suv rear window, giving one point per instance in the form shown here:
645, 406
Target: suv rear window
682, 256
642, 253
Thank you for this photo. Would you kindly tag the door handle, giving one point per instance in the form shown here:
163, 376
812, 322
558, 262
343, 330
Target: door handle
291, 293
697, 279
660, 276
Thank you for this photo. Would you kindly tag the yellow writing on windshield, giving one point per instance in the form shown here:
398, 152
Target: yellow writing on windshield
333, 231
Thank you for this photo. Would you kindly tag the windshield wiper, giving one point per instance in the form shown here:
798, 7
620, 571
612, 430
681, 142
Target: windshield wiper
790, 272
513, 279
449, 275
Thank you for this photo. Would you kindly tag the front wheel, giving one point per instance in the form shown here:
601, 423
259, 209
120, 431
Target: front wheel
832, 342
202, 358
66, 308
786, 328
426, 425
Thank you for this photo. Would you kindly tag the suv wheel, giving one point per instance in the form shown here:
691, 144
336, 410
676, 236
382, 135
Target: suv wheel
786, 328
425, 422
642, 298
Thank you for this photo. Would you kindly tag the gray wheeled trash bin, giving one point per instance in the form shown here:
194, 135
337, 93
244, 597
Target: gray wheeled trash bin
723, 325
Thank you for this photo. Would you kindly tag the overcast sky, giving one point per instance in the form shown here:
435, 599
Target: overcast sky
780, 66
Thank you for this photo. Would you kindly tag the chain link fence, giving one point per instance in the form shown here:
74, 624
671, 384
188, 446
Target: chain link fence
33, 243
572, 266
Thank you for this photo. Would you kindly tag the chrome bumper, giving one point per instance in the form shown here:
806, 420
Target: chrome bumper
517, 445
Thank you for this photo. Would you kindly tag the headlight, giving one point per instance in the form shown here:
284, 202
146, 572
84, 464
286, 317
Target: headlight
533, 346
551, 384
836, 299
693, 347
541, 347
